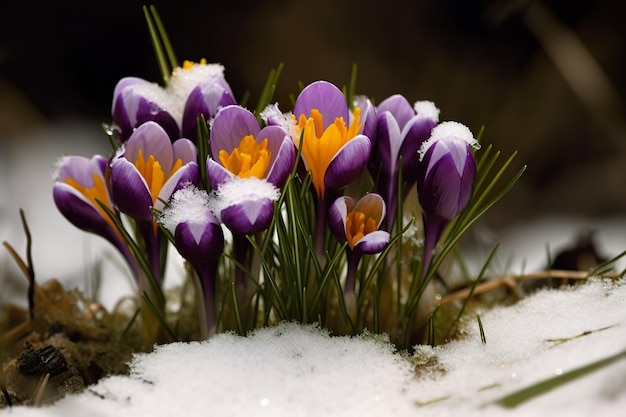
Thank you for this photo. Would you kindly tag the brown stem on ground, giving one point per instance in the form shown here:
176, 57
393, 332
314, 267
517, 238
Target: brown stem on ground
511, 281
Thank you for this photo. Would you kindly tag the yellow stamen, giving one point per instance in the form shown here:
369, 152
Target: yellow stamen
320, 146
190, 64
250, 159
152, 172
357, 226
97, 192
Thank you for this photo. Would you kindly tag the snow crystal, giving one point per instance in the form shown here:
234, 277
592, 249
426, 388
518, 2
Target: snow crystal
155, 93
427, 109
238, 190
271, 114
448, 130
189, 204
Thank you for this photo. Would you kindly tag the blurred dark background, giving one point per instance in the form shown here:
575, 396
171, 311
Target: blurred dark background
544, 78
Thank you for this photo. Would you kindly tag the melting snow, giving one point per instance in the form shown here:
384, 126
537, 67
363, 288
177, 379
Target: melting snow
294, 370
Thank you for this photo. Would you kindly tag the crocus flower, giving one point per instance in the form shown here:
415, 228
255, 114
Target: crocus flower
145, 173
206, 92
245, 206
334, 150
199, 239
240, 148
357, 225
136, 101
79, 185
401, 131
447, 170
193, 89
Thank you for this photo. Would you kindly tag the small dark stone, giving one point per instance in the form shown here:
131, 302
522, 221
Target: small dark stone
46, 359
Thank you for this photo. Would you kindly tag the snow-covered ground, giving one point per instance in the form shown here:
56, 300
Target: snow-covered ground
576, 338
300, 371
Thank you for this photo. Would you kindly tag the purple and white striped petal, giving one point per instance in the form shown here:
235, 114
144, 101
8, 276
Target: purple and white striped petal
245, 205
283, 154
137, 101
80, 211
447, 171
337, 214
324, 97
187, 174
373, 242
249, 216
216, 173
206, 99
232, 124
368, 117
349, 163
129, 190
151, 139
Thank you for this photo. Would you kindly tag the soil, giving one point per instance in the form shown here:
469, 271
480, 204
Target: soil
66, 344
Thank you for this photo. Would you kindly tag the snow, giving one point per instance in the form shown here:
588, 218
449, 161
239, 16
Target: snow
294, 370
297, 370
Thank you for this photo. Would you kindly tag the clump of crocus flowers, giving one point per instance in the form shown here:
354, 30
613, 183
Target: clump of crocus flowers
262, 205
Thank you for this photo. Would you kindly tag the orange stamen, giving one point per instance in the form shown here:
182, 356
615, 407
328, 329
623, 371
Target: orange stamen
249, 159
320, 146
357, 226
97, 192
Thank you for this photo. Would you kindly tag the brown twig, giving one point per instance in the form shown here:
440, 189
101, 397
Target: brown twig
511, 281
26, 267
43, 383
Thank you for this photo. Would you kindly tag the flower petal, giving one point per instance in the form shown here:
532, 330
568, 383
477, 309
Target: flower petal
349, 163
373, 206
79, 210
81, 169
415, 133
185, 150
443, 191
283, 154
326, 98
373, 242
200, 243
231, 124
337, 214
216, 173
129, 190
205, 99
249, 216
399, 107
137, 101
368, 117
151, 139
187, 174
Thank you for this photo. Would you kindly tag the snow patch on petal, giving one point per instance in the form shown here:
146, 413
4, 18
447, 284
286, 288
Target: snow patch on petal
239, 190
427, 109
189, 205
449, 130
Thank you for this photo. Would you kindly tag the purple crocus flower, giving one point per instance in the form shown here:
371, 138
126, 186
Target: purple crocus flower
146, 172
192, 90
245, 206
357, 225
199, 239
240, 148
334, 149
79, 185
209, 92
136, 101
447, 170
401, 131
